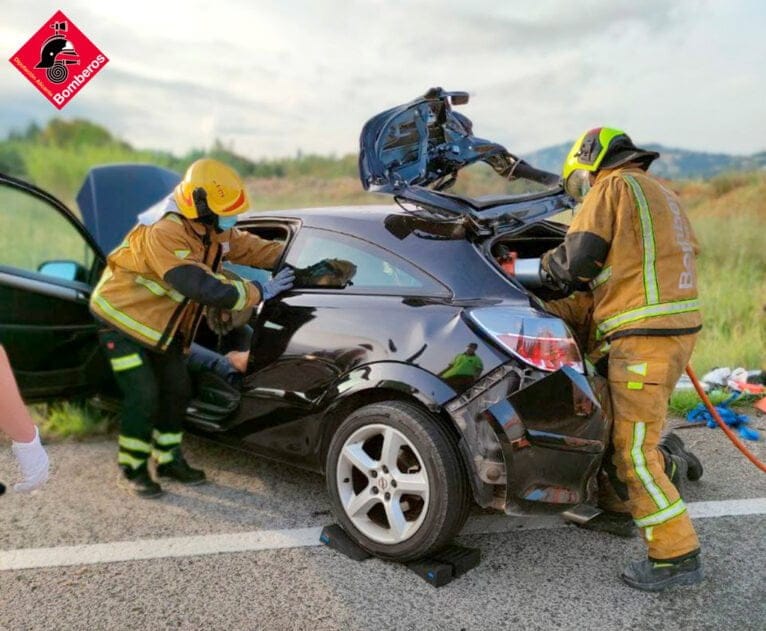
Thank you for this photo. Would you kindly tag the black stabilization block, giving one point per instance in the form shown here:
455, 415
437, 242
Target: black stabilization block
446, 565
438, 569
336, 538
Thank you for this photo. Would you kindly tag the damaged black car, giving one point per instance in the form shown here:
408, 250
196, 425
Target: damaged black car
406, 364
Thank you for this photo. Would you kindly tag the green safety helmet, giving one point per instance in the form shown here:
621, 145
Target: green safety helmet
600, 148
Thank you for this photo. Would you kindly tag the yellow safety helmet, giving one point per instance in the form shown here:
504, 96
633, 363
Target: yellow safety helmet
226, 193
600, 148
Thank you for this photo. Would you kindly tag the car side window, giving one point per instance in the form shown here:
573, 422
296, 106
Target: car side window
36, 237
270, 232
330, 260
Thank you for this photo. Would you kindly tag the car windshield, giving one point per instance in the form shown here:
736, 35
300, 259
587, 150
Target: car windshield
480, 181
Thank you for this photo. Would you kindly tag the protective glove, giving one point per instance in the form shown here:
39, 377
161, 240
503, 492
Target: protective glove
33, 462
326, 273
224, 321
282, 281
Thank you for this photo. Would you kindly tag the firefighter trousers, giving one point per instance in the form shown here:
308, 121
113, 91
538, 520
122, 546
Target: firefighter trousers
156, 389
642, 372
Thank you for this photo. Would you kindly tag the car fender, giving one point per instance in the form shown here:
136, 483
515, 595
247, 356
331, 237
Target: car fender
411, 380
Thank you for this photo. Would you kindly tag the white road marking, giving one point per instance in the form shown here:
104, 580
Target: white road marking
199, 545
754, 506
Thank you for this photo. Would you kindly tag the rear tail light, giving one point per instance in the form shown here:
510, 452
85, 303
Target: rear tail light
540, 341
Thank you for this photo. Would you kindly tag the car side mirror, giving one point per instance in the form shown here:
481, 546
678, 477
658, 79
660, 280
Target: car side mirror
63, 270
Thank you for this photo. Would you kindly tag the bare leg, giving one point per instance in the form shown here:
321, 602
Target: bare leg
17, 423
14, 416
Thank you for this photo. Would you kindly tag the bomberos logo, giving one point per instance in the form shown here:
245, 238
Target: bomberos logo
59, 60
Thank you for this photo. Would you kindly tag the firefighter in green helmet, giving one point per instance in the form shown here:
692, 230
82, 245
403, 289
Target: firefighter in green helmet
628, 266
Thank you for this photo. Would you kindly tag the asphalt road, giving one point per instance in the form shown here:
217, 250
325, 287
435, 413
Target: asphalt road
541, 576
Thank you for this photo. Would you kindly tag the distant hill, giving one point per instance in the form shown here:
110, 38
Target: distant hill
673, 163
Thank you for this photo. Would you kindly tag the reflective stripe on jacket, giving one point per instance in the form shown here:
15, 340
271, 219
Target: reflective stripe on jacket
633, 245
135, 296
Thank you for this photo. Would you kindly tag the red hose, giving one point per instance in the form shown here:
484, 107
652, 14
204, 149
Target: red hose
732, 436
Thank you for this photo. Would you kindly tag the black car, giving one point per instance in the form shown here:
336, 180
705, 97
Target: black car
405, 364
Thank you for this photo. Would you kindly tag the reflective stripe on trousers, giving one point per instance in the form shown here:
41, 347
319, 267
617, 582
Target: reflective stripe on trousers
638, 421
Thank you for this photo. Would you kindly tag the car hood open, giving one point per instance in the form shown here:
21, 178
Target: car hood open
113, 195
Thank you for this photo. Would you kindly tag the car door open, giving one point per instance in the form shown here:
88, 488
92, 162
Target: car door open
48, 265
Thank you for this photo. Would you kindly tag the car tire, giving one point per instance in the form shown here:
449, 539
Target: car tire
369, 496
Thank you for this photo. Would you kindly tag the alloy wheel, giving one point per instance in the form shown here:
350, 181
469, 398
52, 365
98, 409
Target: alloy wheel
382, 483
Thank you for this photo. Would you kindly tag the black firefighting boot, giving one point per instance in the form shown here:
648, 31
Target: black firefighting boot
619, 524
139, 483
179, 470
672, 444
676, 468
655, 575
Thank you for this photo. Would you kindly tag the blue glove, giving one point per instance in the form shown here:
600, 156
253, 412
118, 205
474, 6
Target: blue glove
282, 281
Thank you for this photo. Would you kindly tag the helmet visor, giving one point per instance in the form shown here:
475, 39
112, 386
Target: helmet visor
578, 184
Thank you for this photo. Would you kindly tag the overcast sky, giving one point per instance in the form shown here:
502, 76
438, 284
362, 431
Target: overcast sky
276, 76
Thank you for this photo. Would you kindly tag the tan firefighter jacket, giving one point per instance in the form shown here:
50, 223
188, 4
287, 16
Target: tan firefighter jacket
632, 244
158, 278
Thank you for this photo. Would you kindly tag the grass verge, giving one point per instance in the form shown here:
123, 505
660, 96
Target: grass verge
70, 420
683, 401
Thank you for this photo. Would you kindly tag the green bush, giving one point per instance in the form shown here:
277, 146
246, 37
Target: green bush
57, 157
11, 161
71, 420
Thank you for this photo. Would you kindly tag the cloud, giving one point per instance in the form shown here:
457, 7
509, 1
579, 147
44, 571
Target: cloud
274, 77
199, 114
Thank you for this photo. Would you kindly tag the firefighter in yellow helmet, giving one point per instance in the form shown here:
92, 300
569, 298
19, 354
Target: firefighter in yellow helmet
628, 265
150, 299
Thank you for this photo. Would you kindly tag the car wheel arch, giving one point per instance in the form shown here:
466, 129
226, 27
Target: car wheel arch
376, 382
342, 408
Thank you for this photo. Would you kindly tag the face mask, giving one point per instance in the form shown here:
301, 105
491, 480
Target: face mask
578, 184
224, 223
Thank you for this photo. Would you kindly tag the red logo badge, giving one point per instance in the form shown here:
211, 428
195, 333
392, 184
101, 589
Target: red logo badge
59, 60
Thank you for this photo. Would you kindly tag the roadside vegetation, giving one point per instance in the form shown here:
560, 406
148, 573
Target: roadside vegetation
71, 420
57, 157
728, 213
